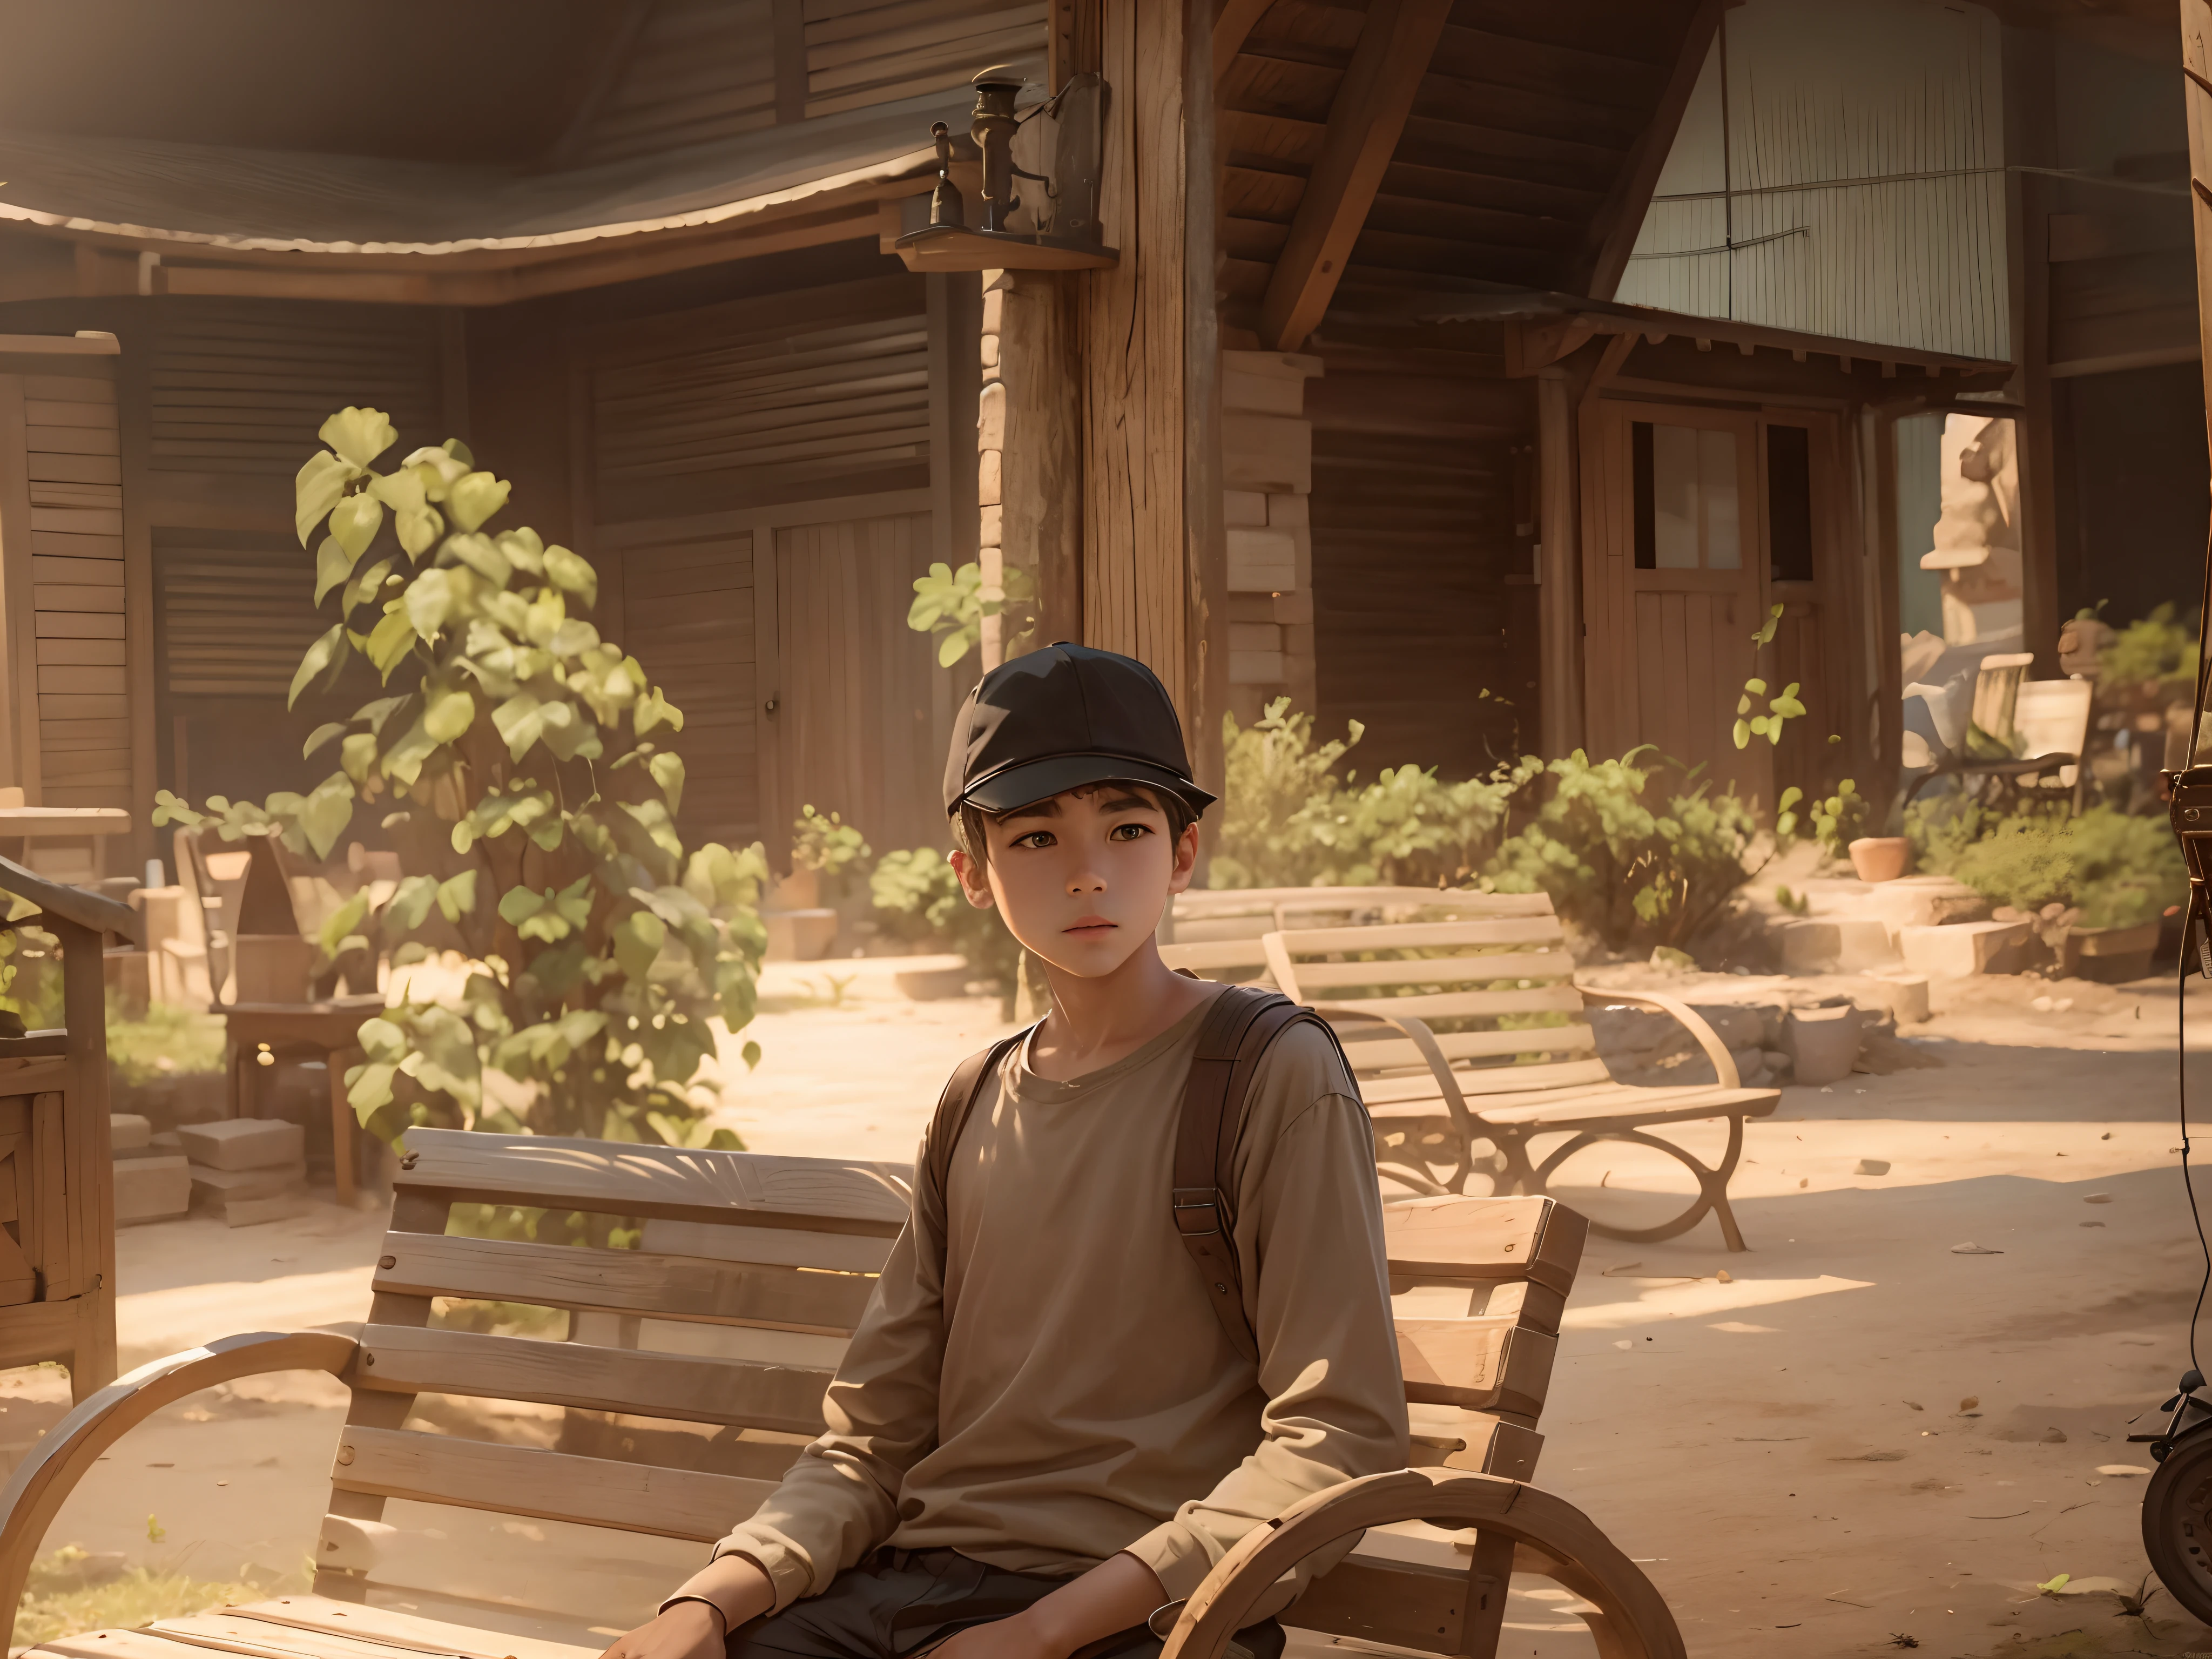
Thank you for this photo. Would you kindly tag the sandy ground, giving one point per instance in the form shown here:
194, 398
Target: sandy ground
1791, 1453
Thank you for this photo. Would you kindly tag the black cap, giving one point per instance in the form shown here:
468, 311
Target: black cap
1058, 719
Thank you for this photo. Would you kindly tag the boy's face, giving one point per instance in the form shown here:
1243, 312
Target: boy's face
1082, 879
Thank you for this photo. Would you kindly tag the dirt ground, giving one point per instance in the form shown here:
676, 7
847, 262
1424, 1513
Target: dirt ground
1863, 1435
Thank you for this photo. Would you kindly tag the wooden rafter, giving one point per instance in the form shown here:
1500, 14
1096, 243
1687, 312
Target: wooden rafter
1231, 28
1614, 230
622, 26
1364, 121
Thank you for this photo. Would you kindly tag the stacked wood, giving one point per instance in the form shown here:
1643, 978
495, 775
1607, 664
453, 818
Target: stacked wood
1267, 465
246, 1169
152, 1182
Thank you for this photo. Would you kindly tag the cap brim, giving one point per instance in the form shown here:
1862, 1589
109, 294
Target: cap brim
1036, 781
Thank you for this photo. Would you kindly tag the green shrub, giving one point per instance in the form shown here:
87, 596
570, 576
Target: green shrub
168, 1041
1289, 820
2118, 869
825, 843
2158, 647
516, 768
1620, 867
918, 898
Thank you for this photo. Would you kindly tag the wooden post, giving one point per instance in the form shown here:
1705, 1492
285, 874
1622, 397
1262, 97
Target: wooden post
1030, 438
1559, 674
2030, 124
87, 1161
1137, 578
2196, 101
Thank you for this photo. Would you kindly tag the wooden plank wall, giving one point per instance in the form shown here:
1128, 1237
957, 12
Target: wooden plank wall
75, 514
1412, 512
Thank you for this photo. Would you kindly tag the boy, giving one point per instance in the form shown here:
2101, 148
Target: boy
1042, 1436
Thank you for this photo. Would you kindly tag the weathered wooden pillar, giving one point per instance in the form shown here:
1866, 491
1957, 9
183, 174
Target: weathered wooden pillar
1560, 611
2197, 100
1154, 584
1030, 460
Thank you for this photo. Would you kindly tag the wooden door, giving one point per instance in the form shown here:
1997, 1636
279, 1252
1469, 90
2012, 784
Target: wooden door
862, 711
1675, 584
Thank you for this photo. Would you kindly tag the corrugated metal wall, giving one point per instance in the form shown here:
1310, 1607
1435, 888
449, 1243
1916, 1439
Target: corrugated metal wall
1901, 102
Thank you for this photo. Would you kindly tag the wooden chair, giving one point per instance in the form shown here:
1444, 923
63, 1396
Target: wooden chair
1216, 932
767, 1262
57, 1170
1469, 1032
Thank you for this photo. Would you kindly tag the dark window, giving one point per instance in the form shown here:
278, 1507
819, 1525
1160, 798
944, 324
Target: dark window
1647, 530
1788, 503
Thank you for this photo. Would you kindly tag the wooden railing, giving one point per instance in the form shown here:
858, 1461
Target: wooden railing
56, 1177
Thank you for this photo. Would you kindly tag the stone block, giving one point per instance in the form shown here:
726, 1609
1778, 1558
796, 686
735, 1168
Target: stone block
246, 1212
217, 1187
1962, 948
245, 1142
1830, 945
129, 1133
1921, 902
1903, 995
152, 1189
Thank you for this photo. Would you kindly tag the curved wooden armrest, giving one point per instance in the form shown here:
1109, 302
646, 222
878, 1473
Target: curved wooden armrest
44, 1478
1417, 1031
1555, 1539
1692, 1021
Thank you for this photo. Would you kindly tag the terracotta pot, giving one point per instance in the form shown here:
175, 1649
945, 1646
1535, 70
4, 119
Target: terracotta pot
2111, 956
1880, 858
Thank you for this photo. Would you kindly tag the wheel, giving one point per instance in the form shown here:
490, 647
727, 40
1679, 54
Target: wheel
2176, 1522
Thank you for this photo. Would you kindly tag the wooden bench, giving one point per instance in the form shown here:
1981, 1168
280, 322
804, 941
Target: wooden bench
57, 1171
1216, 932
1469, 1032
772, 1258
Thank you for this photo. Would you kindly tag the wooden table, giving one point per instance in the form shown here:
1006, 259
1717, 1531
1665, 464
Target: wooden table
331, 1026
48, 823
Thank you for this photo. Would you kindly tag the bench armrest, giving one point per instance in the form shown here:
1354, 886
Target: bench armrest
1465, 1122
44, 1478
1552, 1537
1691, 1020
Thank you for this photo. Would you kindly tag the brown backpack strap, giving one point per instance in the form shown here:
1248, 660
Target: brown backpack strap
1236, 1031
953, 1107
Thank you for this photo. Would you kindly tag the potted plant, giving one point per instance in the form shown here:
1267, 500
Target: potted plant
2127, 870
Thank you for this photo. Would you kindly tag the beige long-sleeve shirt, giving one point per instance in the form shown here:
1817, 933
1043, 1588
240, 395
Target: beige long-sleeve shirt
1059, 1389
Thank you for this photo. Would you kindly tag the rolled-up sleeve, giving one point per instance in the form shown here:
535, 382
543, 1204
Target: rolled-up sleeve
1309, 1231
840, 1499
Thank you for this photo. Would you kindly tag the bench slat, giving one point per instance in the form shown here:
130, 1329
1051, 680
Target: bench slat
1420, 935
1483, 1365
1325, 981
1388, 1097
611, 1178
397, 1359
626, 1281
1228, 953
409, 1632
1471, 1004
1241, 901
120, 1644
1388, 1050
1399, 1604
591, 1492
844, 1253
1451, 1240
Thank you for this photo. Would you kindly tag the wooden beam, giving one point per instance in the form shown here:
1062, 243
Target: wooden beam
1614, 230
1559, 614
1364, 121
1231, 28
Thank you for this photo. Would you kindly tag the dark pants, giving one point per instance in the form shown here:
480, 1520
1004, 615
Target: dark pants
899, 1602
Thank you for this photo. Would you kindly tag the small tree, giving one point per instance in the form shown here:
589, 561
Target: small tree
539, 834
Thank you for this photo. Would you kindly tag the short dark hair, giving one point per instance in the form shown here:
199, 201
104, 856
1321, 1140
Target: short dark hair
967, 822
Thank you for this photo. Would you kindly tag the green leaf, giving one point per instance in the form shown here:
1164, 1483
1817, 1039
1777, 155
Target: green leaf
2052, 1586
523, 550
419, 530
354, 521
368, 1088
357, 754
474, 497
1742, 734
333, 565
321, 735
573, 574
365, 585
482, 555
654, 710
404, 760
429, 602
316, 489
956, 645
358, 435
667, 771
520, 722
457, 896
638, 937
449, 714
391, 640
319, 657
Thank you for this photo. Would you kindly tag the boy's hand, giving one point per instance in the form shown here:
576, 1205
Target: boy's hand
1018, 1637
690, 1630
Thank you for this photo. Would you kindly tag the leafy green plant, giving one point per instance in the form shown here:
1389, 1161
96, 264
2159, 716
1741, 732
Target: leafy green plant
824, 842
1289, 819
1635, 872
2117, 870
917, 898
30, 973
1779, 711
949, 606
2158, 647
514, 761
